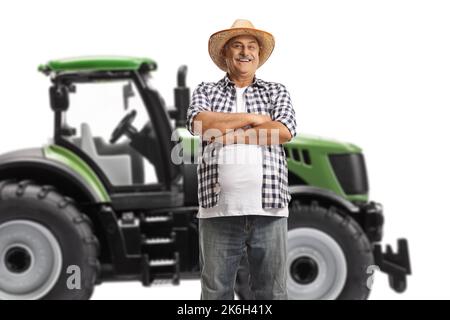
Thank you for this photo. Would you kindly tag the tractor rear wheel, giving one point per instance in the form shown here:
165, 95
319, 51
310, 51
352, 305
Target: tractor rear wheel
47, 246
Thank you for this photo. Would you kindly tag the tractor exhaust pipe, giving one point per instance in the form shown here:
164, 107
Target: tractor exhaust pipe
182, 97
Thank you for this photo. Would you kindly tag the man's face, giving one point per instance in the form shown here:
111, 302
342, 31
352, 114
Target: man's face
242, 55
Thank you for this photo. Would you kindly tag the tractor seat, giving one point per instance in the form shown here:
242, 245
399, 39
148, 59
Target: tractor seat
116, 167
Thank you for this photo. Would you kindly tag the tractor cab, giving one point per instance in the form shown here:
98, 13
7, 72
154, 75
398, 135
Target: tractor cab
131, 157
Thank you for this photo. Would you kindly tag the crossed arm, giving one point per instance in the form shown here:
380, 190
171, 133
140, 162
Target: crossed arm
242, 128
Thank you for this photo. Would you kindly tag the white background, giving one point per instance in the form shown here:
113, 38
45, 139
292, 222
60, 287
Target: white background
374, 73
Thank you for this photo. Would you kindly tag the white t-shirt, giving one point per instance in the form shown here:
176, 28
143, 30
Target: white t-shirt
240, 178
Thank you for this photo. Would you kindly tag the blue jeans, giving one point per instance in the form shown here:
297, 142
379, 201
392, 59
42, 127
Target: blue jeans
222, 243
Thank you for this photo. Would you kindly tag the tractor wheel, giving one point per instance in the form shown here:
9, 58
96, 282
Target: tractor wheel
47, 247
328, 256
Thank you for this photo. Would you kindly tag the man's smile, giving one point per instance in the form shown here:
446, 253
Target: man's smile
244, 60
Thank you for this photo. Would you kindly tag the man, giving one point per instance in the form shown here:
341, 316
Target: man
242, 173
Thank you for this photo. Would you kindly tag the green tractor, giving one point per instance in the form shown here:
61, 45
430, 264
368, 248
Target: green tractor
78, 211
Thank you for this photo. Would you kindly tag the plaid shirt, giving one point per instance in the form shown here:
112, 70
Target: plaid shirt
261, 97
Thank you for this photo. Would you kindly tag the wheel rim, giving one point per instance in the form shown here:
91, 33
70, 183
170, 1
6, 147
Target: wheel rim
30, 260
317, 268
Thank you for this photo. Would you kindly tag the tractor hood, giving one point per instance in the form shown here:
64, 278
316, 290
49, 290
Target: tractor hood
323, 144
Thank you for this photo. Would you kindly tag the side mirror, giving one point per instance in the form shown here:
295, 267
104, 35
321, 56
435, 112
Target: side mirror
127, 93
59, 98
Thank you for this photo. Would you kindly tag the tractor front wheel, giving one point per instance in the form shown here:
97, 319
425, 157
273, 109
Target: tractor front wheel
328, 256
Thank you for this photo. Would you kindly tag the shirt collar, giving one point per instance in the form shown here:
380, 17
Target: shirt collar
226, 81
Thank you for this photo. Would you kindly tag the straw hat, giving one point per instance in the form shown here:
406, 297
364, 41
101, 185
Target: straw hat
239, 28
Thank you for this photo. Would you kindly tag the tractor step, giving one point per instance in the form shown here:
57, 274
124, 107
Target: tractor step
157, 225
162, 270
158, 219
162, 263
154, 241
159, 247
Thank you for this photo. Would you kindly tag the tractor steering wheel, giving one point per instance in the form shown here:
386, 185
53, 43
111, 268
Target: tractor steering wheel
124, 127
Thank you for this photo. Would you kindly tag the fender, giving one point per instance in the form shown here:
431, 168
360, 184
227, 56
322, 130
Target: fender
322, 193
49, 164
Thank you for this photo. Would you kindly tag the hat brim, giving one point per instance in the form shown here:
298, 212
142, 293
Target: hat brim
218, 40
